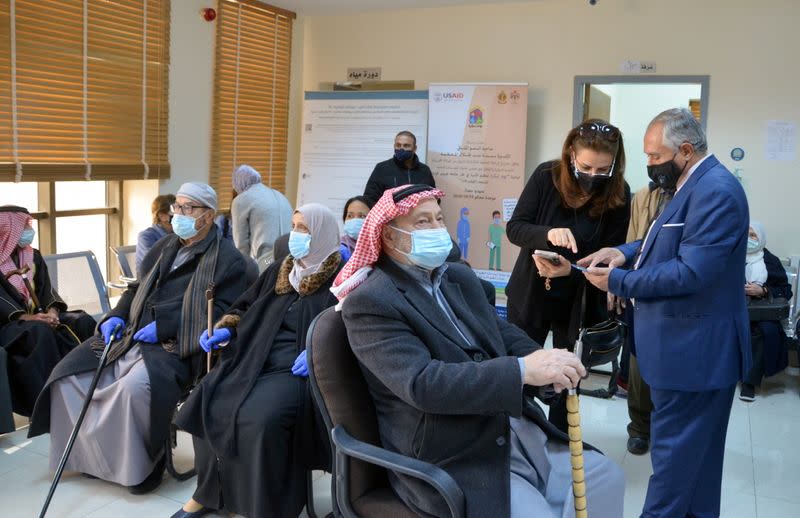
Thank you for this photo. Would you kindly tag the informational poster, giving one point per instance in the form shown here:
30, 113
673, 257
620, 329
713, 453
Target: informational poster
476, 150
346, 133
781, 141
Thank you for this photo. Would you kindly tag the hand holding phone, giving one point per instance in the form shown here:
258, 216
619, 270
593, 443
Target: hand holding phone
550, 256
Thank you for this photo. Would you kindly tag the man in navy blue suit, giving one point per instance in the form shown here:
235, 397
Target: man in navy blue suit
690, 317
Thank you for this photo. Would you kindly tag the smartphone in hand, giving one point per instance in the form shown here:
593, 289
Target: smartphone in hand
550, 256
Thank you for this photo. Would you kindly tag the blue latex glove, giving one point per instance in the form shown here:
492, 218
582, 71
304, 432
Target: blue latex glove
223, 334
300, 367
107, 327
147, 334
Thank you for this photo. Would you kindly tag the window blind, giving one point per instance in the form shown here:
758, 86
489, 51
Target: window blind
251, 94
83, 89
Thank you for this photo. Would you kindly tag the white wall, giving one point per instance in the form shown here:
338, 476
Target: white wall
191, 95
632, 108
190, 102
741, 44
136, 216
191, 88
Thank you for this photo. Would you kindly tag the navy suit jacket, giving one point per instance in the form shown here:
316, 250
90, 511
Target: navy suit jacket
691, 325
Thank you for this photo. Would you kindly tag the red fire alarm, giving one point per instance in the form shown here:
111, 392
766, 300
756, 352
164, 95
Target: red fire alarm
209, 14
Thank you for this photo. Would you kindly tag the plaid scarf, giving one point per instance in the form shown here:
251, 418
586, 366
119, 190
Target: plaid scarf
368, 247
194, 308
11, 226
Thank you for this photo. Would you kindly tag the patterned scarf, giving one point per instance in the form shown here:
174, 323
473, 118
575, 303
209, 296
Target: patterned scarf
193, 311
368, 247
11, 226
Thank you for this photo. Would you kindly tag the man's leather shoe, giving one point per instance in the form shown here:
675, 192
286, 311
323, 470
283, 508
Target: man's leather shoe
638, 445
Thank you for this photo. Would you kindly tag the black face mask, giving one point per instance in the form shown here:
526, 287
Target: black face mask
589, 182
666, 175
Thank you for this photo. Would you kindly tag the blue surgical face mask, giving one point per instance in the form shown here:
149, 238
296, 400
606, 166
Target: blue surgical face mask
353, 226
496, 221
183, 226
299, 244
429, 247
752, 244
27, 237
401, 155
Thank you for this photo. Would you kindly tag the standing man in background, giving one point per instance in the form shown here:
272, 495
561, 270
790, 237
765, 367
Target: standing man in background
403, 168
691, 324
259, 215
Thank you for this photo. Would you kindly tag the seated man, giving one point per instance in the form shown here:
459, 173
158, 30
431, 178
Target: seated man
447, 374
36, 330
155, 355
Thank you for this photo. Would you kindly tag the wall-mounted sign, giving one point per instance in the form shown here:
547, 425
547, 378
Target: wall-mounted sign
638, 67
737, 153
364, 74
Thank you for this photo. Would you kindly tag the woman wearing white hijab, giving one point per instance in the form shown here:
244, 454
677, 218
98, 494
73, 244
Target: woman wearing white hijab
252, 417
764, 277
755, 271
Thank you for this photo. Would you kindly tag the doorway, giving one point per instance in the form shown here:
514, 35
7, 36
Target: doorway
630, 102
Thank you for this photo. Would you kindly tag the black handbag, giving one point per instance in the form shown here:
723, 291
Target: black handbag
601, 344
774, 309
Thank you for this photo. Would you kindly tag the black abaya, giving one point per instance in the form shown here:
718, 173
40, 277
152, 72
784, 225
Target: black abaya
252, 420
34, 348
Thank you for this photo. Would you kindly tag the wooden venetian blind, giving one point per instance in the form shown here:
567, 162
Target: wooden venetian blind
251, 94
83, 89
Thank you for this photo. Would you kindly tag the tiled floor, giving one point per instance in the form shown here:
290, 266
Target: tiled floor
760, 477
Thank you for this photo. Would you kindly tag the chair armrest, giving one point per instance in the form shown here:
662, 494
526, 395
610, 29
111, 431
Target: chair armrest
439, 479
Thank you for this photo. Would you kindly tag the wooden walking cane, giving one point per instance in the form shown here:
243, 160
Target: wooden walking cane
210, 302
576, 444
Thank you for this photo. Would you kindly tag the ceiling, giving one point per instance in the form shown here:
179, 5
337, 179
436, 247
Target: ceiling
330, 7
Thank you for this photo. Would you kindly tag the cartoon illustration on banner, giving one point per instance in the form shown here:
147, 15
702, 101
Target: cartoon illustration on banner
476, 149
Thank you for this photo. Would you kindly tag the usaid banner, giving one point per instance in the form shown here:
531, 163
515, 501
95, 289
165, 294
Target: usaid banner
476, 150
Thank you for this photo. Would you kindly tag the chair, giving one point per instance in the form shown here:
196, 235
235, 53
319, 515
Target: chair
360, 486
172, 442
792, 267
74, 275
126, 258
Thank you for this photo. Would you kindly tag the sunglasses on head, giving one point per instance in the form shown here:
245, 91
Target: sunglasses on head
594, 129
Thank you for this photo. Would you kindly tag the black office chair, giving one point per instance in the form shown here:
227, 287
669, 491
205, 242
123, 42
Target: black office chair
360, 486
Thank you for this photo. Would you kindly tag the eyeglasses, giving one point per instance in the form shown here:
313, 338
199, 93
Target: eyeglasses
185, 209
594, 129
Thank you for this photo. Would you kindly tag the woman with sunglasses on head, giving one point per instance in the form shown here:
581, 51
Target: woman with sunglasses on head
573, 206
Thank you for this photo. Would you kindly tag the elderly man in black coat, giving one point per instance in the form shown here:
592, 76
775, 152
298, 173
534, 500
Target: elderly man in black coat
451, 380
154, 357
